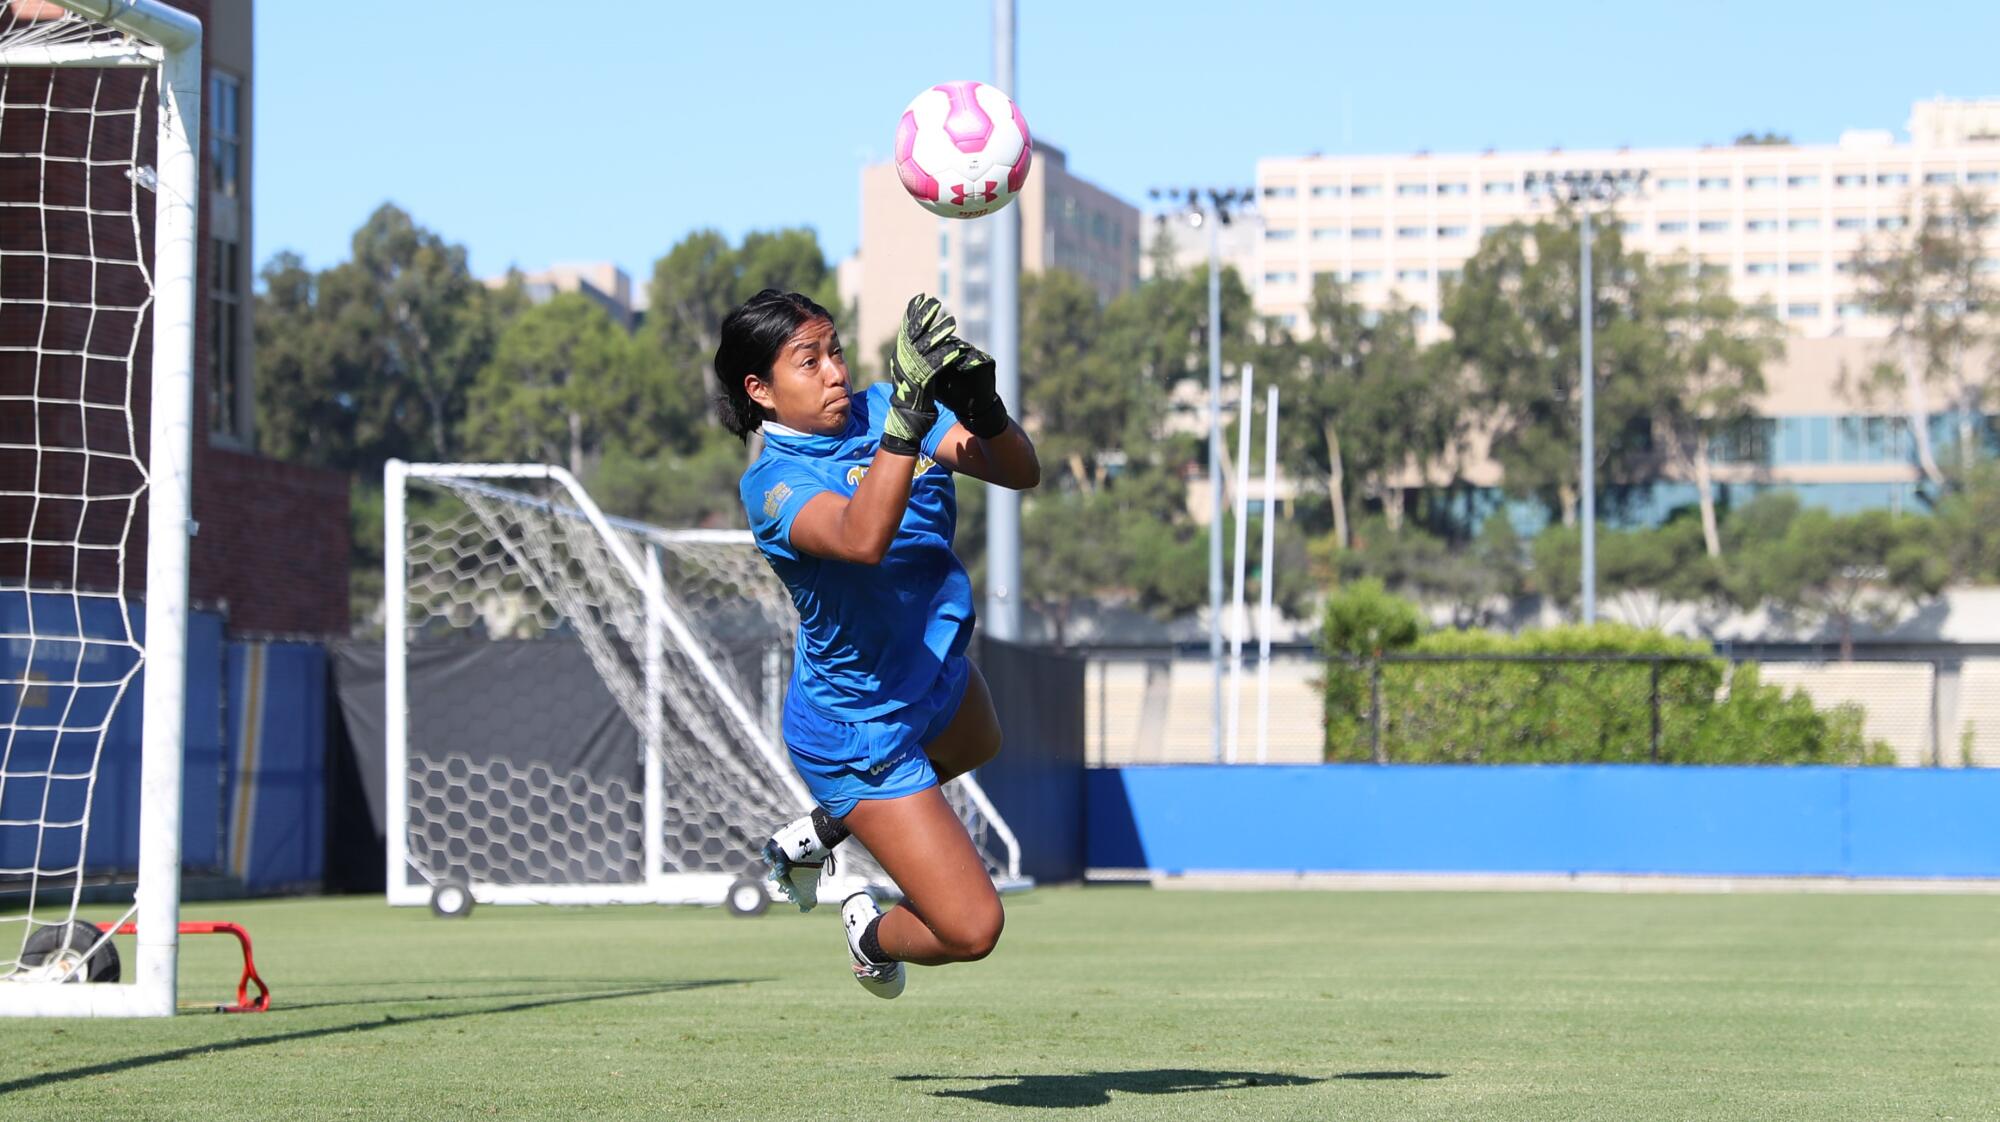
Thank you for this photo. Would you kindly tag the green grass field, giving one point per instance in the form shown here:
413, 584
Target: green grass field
1108, 1002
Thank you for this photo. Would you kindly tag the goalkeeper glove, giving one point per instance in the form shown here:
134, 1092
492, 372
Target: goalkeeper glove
966, 388
924, 345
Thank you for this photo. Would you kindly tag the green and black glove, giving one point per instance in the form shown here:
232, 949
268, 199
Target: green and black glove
924, 345
966, 388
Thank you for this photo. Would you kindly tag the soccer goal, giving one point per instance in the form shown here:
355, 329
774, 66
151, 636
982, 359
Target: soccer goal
581, 709
99, 123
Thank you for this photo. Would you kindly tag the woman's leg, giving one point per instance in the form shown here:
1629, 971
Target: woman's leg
950, 912
972, 737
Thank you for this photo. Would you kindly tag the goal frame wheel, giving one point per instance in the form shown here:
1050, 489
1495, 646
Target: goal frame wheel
747, 897
451, 899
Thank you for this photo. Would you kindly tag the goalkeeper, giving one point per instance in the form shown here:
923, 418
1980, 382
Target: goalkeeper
852, 503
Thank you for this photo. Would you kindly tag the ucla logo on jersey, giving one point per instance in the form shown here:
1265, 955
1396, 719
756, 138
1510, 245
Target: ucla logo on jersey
855, 473
774, 499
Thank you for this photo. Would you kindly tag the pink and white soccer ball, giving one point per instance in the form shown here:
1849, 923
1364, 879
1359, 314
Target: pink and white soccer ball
962, 149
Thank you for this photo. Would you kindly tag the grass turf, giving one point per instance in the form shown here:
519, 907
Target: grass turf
1110, 1002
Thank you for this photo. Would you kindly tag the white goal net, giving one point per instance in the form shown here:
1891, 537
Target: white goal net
585, 709
98, 125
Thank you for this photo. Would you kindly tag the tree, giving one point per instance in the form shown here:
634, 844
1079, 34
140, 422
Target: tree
428, 332
1514, 330
1932, 287
1709, 352
1765, 139
1367, 401
1829, 569
1082, 406
564, 383
697, 282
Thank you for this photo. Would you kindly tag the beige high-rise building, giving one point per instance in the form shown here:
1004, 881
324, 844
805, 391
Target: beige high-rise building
1781, 221
1066, 223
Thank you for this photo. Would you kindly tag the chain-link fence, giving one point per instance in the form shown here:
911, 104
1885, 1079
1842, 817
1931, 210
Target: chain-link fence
1160, 707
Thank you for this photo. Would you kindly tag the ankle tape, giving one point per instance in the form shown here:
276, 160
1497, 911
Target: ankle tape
871, 947
830, 830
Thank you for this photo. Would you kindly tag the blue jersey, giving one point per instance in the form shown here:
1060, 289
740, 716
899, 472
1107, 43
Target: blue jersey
872, 638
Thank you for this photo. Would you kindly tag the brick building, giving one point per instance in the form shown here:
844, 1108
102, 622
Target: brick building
271, 551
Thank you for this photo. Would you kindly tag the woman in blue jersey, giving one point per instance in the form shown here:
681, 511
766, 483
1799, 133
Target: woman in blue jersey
852, 503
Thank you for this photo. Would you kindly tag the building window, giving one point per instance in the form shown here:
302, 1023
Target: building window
1364, 190
225, 133
1326, 233
1674, 183
1850, 181
1326, 191
1761, 182
1891, 179
1853, 310
1411, 190
1802, 268
1451, 189
1281, 278
1714, 226
1451, 231
1802, 181
1280, 234
1802, 225
1989, 265
1326, 277
1675, 227
1281, 192
1364, 276
1761, 225
1850, 222
1714, 183
1761, 269
1497, 187
1844, 267
1940, 178
1450, 274
1713, 269
1289, 320
1891, 222
225, 309
1409, 231
1413, 274
1802, 311
1982, 177
1366, 233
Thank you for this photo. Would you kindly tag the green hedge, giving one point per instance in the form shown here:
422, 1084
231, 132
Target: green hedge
1578, 711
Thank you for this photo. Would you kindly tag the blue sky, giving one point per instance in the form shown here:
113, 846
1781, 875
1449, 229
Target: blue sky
535, 138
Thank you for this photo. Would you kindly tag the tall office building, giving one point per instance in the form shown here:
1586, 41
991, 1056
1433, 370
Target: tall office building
1066, 223
1782, 221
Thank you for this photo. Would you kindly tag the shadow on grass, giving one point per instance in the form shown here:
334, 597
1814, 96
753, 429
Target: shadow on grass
1390, 1075
1094, 1088
210, 1047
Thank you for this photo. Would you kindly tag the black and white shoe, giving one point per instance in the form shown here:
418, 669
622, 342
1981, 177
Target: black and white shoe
883, 979
794, 859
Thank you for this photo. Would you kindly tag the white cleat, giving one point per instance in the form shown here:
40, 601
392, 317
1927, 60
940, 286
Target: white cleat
794, 860
883, 979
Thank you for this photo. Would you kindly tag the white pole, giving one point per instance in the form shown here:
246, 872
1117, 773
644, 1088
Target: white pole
395, 682
1002, 618
169, 511
1265, 619
1238, 622
654, 751
1588, 469
1214, 219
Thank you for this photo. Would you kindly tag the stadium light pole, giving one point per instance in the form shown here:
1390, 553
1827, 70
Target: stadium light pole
1581, 189
1003, 506
1210, 207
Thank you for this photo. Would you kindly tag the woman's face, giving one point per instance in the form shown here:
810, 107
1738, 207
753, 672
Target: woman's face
807, 388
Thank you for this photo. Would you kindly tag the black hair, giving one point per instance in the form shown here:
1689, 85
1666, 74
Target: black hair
751, 338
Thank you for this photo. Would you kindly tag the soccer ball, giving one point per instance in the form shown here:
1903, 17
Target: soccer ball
962, 149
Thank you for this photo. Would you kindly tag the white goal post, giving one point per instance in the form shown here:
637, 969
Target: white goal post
81, 87
582, 709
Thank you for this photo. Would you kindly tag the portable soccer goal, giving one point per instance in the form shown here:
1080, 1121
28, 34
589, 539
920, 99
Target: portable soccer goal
582, 709
99, 127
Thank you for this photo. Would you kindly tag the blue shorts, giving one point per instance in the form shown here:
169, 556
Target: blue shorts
882, 758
